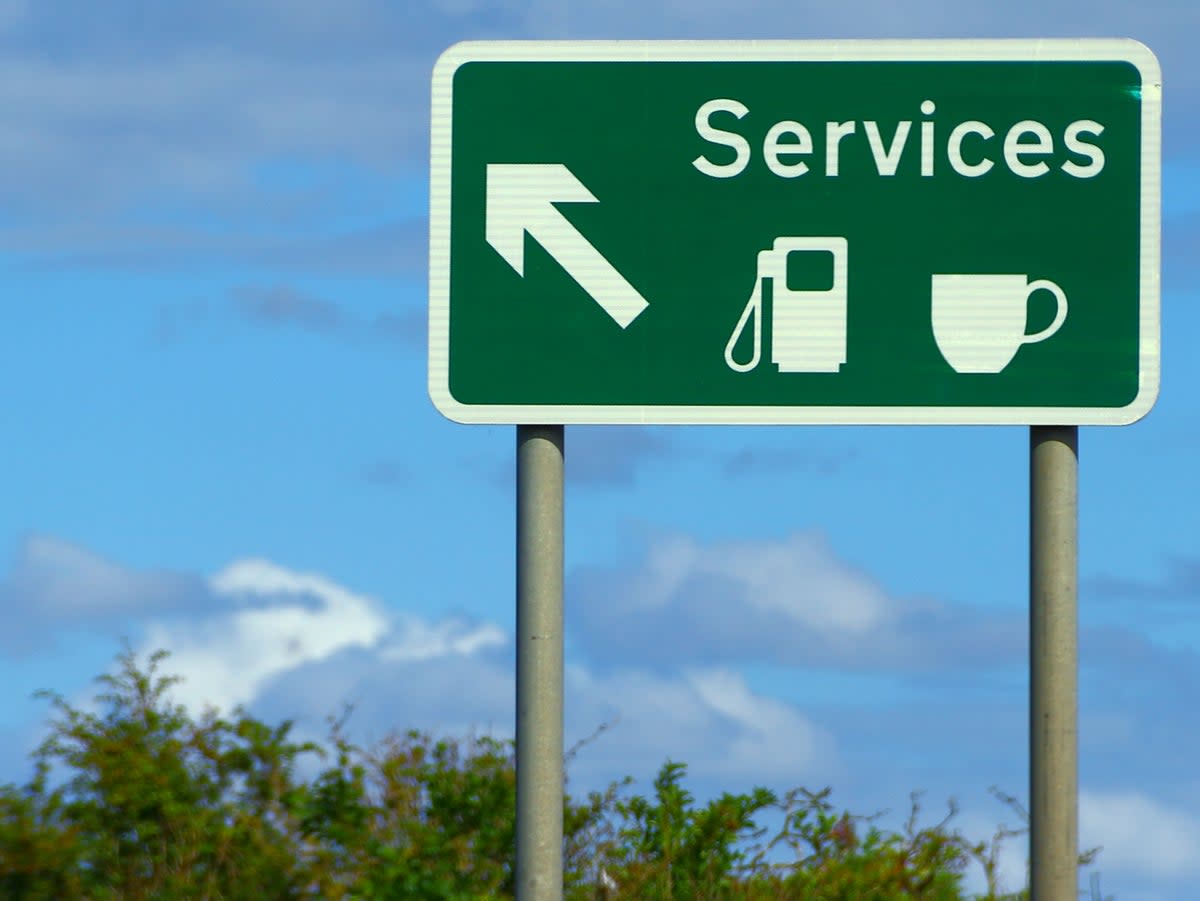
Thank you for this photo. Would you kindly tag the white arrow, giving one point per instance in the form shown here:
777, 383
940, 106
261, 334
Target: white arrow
521, 198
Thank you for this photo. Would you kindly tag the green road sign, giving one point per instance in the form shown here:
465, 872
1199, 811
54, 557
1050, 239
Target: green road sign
770, 232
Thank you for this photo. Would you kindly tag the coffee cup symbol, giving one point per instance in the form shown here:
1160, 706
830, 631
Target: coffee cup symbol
979, 321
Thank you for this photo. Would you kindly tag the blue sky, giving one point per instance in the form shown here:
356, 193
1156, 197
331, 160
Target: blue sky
218, 440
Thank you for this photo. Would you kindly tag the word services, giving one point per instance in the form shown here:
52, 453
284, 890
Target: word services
787, 144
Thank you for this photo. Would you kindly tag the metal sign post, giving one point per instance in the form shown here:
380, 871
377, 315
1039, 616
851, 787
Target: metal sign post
1053, 663
539, 662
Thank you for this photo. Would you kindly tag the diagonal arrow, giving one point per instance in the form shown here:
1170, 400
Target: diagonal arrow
521, 198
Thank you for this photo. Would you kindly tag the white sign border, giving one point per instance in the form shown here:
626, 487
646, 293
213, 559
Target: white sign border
1015, 50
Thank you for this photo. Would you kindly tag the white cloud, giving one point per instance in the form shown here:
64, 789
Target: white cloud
56, 587
64, 579
791, 601
765, 727
302, 645
227, 658
191, 117
707, 717
419, 640
798, 578
1140, 834
730, 736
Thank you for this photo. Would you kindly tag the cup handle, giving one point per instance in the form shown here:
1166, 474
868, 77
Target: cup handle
1059, 317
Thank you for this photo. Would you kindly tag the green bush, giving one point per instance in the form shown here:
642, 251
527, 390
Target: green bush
142, 801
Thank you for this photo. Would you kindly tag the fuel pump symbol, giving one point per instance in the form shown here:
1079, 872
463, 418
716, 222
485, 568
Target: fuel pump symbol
808, 311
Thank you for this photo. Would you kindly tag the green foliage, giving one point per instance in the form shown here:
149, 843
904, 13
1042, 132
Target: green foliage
141, 801
668, 848
834, 863
156, 805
